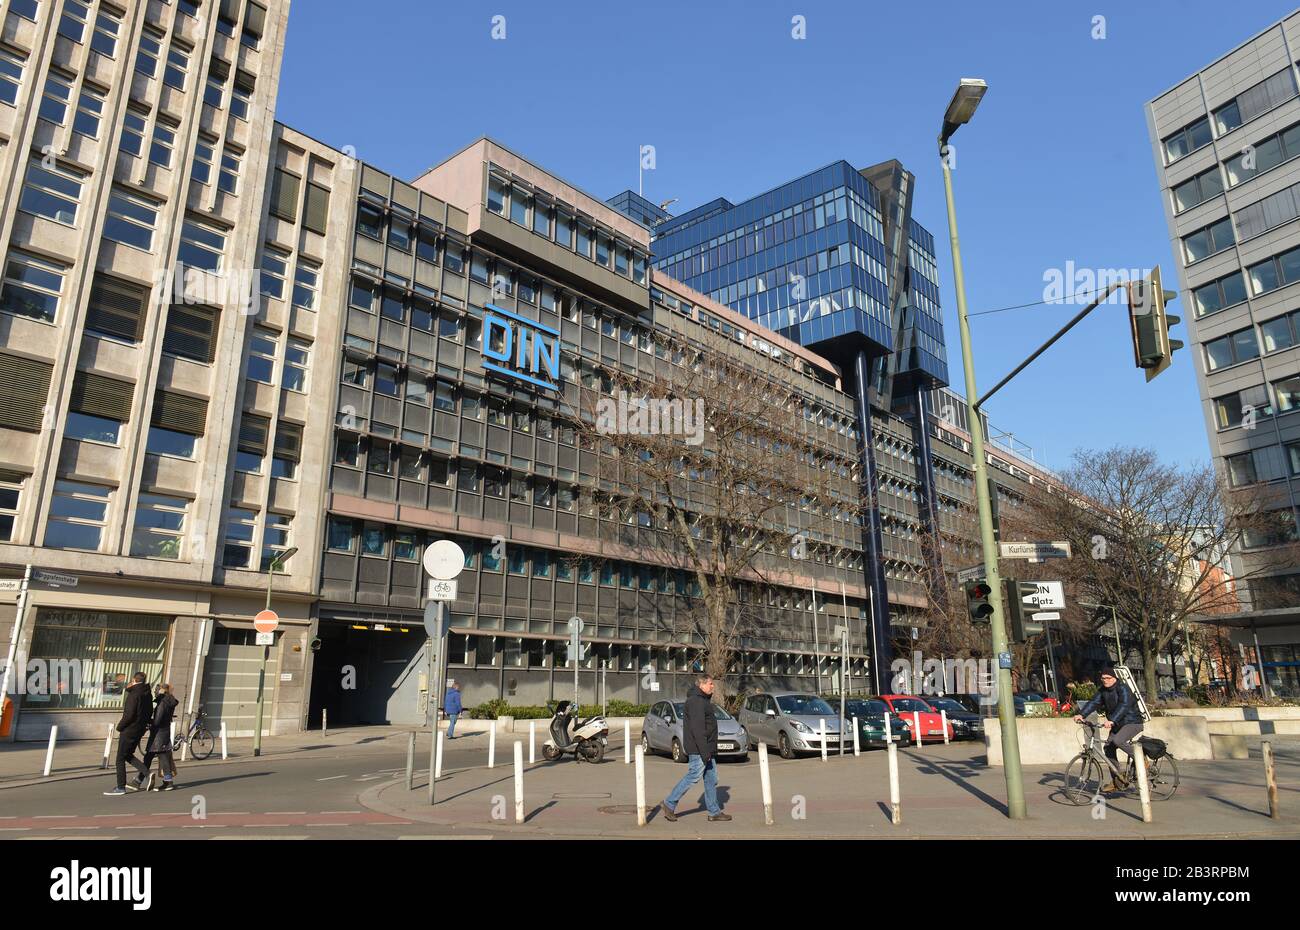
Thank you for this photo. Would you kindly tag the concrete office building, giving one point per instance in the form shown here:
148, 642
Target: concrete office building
1225, 142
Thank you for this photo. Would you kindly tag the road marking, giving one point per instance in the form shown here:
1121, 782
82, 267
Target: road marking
450, 836
284, 813
331, 825
53, 816
14, 829
115, 815
331, 778
369, 777
301, 836
250, 826
82, 827
341, 812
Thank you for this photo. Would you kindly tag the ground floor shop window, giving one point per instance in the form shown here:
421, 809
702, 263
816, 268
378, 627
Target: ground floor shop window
90, 656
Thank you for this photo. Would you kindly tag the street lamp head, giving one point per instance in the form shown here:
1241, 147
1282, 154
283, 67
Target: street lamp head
961, 108
283, 557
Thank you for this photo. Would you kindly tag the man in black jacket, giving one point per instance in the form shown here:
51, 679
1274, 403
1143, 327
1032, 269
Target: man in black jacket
700, 743
1122, 719
137, 711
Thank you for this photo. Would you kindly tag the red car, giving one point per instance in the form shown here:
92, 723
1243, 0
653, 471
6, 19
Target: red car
905, 705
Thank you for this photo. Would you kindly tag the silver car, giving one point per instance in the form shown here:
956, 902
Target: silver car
792, 722
661, 731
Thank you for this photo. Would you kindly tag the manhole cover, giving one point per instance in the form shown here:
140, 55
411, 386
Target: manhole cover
618, 809
575, 796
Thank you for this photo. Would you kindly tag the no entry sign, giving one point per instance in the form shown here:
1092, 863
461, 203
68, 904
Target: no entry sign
266, 621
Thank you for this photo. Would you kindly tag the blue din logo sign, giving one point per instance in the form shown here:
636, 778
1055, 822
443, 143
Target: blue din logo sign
520, 348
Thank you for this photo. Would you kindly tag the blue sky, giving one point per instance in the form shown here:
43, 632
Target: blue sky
1055, 168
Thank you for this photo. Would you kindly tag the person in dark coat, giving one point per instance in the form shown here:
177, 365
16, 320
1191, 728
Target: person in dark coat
1123, 719
160, 739
700, 743
137, 710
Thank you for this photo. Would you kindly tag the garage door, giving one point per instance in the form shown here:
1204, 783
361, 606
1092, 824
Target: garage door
230, 688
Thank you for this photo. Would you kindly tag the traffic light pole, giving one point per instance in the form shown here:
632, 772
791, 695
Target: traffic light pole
1006, 706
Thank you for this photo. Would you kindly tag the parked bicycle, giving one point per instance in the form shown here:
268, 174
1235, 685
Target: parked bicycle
1084, 774
198, 736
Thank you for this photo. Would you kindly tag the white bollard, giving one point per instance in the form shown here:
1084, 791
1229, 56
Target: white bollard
173, 733
766, 780
519, 782
49, 753
916, 725
532, 742
943, 716
223, 739
821, 731
492, 745
627, 740
324, 722
108, 746
889, 730
1144, 792
437, 759
855, 736
640, 786
896, 809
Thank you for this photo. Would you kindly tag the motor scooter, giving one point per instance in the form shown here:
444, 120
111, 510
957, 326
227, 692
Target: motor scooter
587, 742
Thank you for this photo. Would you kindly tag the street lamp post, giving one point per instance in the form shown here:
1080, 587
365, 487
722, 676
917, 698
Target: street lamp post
960, 110
266, 650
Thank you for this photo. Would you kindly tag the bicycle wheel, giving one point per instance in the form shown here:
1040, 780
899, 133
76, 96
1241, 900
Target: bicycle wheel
1162, 778
1082, 779
201, 744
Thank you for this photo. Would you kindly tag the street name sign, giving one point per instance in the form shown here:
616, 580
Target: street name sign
1034, 551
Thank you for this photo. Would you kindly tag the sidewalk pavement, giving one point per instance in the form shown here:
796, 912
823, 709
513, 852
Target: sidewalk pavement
946, 791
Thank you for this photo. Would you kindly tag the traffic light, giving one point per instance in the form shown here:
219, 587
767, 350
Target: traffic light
1152, 348
1020, 622
979, 601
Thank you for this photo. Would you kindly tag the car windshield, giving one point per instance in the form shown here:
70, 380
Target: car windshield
680, 707
865, 708
947, 704
804, 705
911, 704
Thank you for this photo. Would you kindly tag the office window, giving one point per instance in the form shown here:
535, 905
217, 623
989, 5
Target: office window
467, 477
188, 7
228, 176
116, 308
520, 202
90, 107
204, 155
1287, 392
202, 247
275, 540
1198, 189
373, 541
338, 535
133, 132
306, 283
386, 379
1236, 347
11, 76
563, 229
191, 333
237, 545
27, 9
1255, 100
1280, 333
417, 388
146, 59
1282, 529
411, 464
54, 193
164, 143
284, 195
241, 95
261, 356
22, 407
453, 257
107, 27
391, 307
1264, 464
78, 513
76, 14
542, 219
178, 63
444, 397
131, 220
1275, 272
254, 24
11, 489
1213, 297
214, 91
1187, 140
347, 450
602, 250
1208, 241
622, 261
177, 422
1241, 407
354, 372
406, 545
251, 449
316, 208
1266, 154
426, 245
585, 240
159, 526
498, 193
97, 407
275, 269
399, 230
296, 357
370, 220
32, 286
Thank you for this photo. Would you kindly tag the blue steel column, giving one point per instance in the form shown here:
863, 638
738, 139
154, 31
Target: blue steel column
882, 652
933, 550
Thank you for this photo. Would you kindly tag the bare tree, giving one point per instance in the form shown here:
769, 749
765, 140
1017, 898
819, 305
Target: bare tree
1148, 538
715, 469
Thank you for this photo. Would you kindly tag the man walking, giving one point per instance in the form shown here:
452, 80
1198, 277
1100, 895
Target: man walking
700, 742
136, 714
451, 705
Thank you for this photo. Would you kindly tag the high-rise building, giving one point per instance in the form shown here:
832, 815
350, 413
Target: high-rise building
1225, 142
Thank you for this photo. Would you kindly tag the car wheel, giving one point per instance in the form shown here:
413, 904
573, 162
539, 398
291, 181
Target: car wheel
678, 755
645, 744
743, 757
783, 746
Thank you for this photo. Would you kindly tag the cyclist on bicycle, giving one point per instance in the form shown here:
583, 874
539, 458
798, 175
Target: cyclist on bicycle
1122, 719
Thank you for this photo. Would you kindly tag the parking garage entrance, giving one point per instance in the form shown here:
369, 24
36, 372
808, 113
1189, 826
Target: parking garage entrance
370, 671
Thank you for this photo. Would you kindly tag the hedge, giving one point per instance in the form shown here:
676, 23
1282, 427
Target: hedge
491, 710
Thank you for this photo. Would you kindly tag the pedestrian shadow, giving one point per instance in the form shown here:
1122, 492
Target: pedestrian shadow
960, 781
184, 785
724, 795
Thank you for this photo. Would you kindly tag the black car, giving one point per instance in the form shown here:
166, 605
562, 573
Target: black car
966, 724
975, 703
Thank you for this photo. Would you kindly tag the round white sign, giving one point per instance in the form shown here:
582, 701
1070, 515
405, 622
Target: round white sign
444, 560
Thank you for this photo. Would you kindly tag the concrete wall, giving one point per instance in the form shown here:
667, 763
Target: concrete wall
1056, 740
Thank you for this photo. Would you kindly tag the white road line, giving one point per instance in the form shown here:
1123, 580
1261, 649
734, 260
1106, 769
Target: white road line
76, 828
450, 836
13, 829
301, 836
332, 825
252, 826
115, 815
340, 812
53, 816
331, 778
284, 813
369, 777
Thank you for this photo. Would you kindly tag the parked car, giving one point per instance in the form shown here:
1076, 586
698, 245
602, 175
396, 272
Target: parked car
966, 724
871, 713
982, 704
661, 731
1037, 697
790, 720
908, 704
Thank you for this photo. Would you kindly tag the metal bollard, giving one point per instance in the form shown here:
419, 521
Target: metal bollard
1270, 778
627, 740
896, 808
889, 730
532, 742
410, 760
766, 780
49, 752
640, 786
224, 754
1144, 792
943, 717
492, 745
433, 755
519, 782
855, 736
108, 746
437, 760
916, 725
821, 730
